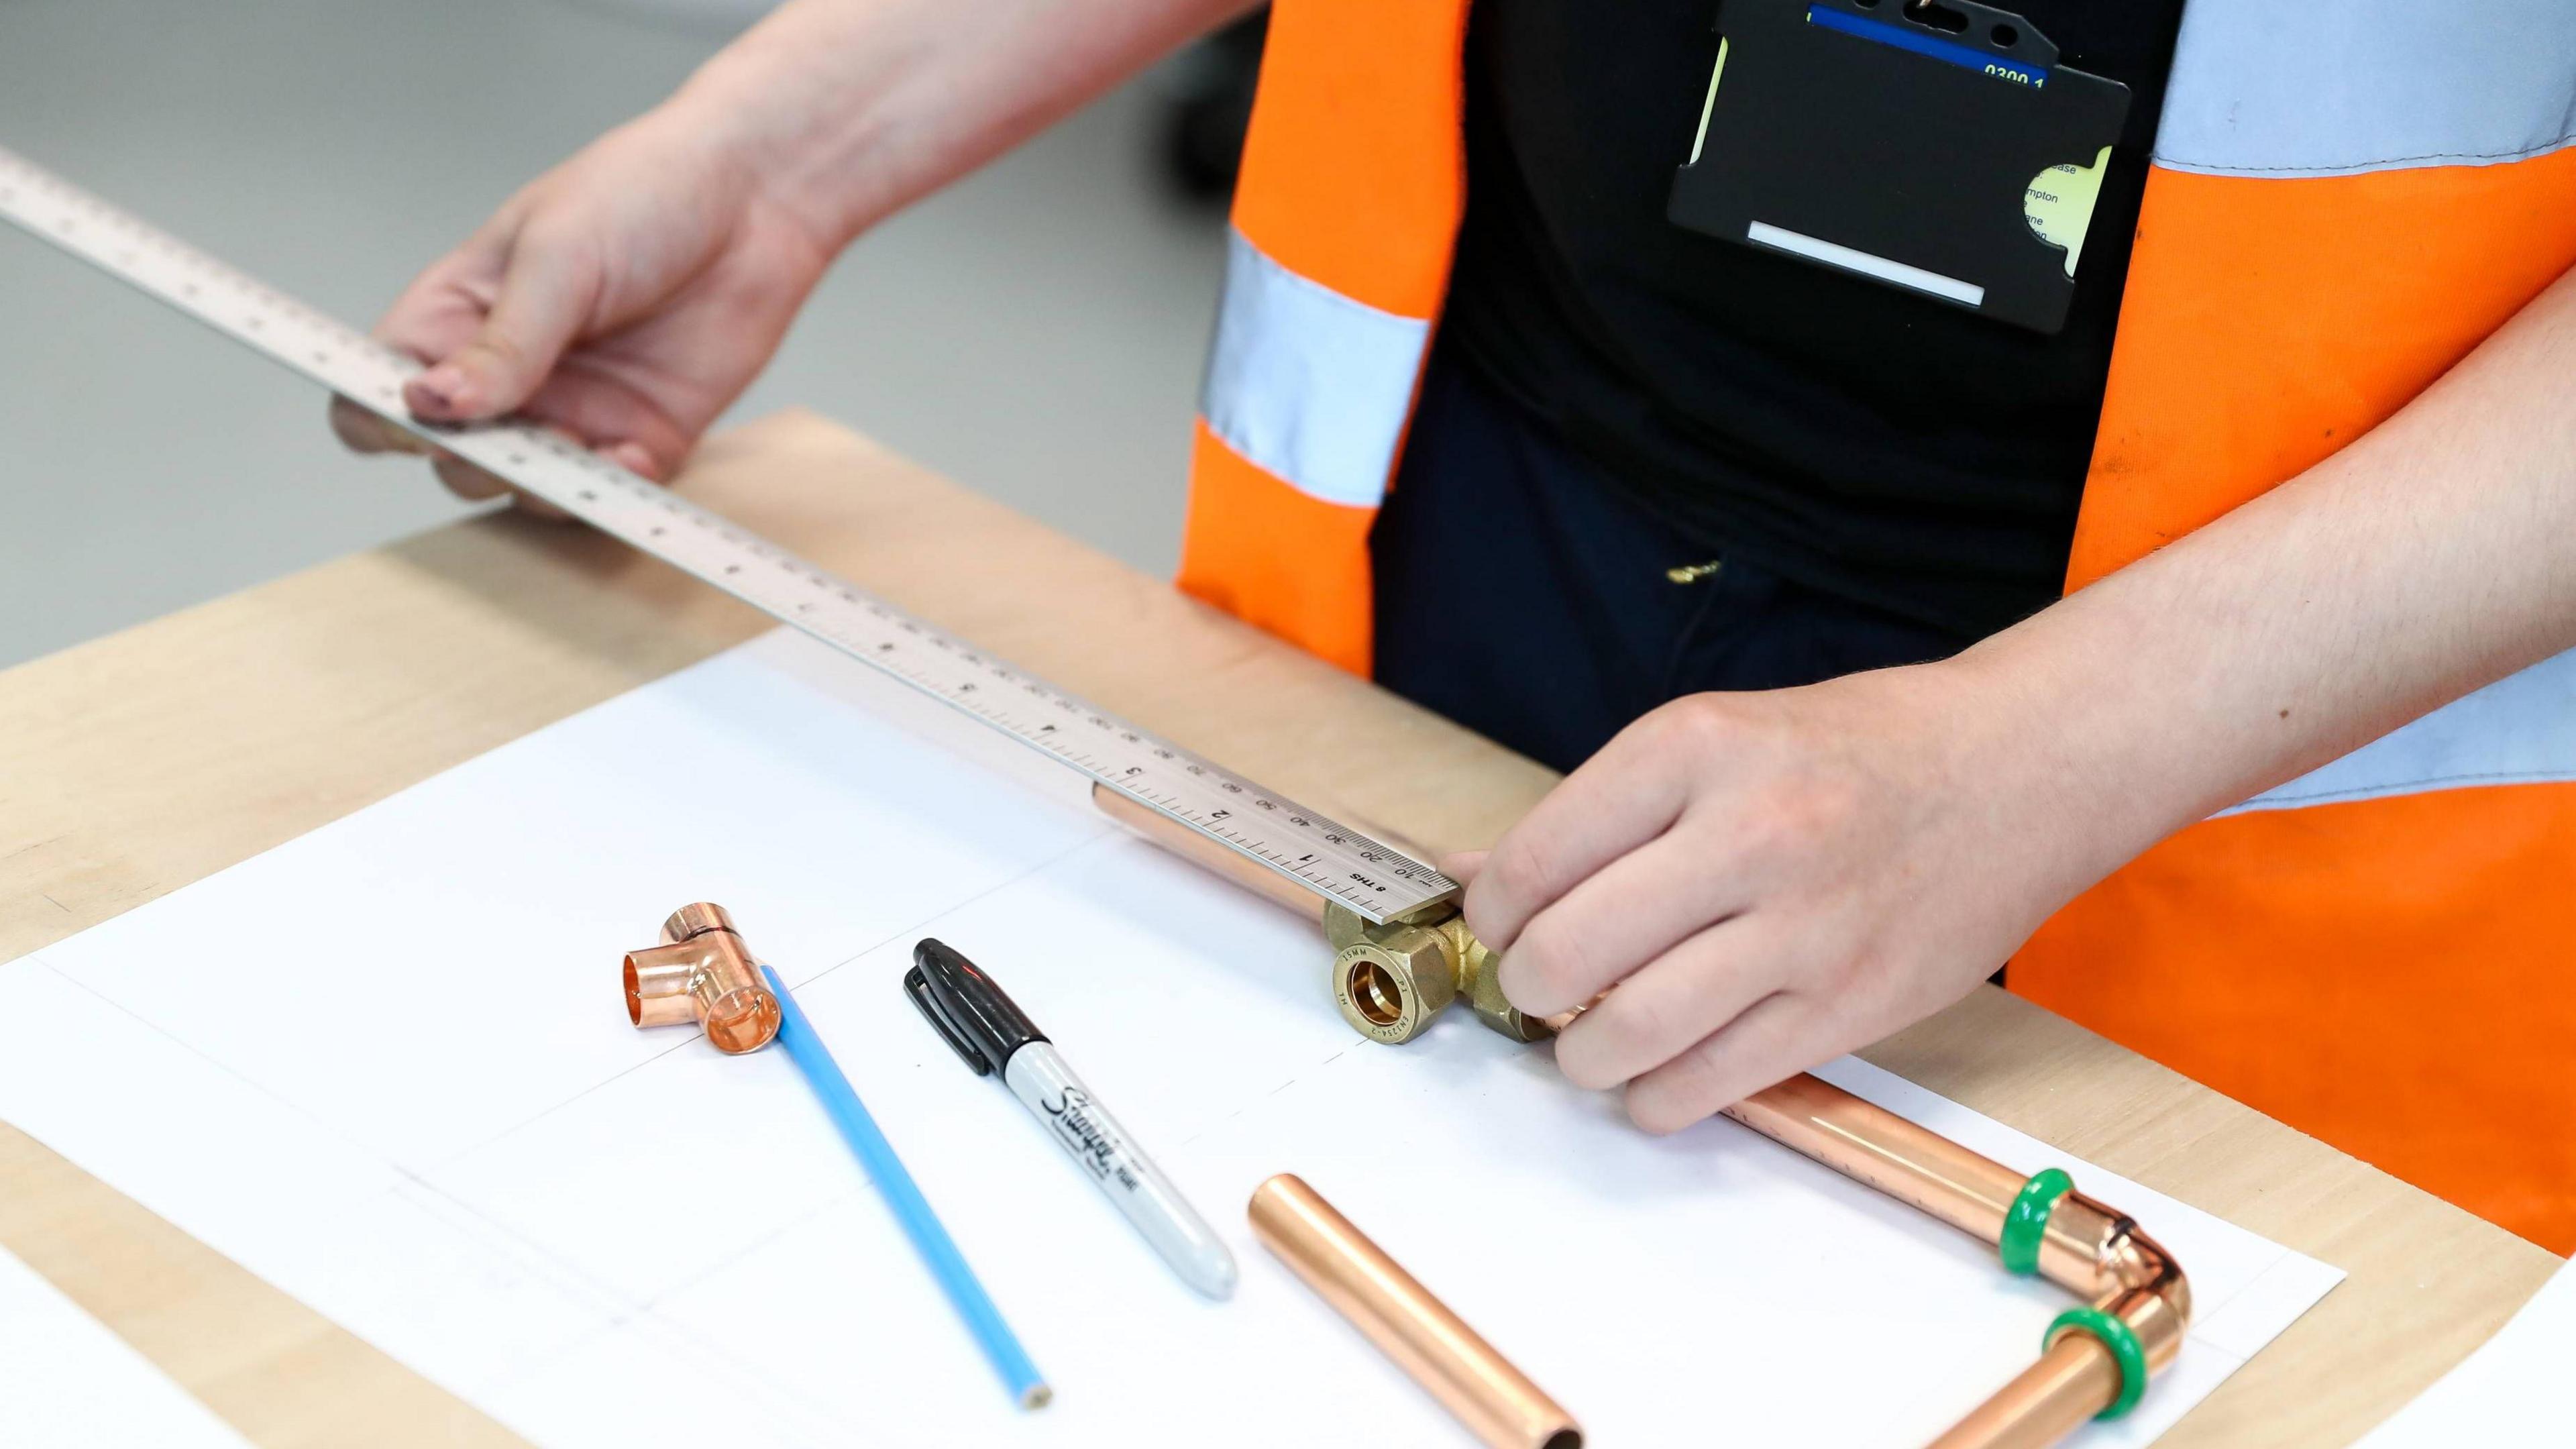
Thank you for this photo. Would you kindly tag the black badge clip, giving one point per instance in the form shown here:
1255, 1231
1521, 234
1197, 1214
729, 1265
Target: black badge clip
1934, 147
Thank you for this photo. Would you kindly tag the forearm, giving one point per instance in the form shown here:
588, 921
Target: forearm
2433, 555
851, 109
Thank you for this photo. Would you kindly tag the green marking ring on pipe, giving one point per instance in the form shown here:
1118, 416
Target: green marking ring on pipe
2114, 1335
2027, 1220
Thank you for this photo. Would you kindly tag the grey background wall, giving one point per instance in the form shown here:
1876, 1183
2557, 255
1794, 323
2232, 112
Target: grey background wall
1034, 332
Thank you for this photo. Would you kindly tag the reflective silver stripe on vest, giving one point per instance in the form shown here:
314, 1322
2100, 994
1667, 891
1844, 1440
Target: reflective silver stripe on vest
2520, 730
2330, 87
1306, 383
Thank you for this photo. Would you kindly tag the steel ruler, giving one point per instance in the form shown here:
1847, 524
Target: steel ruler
1268, 829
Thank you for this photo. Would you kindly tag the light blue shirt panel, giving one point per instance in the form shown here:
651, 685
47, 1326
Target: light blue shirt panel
2327, 87
1309, 384
2520, 730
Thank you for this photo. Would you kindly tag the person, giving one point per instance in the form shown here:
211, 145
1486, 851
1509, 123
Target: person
2206, 659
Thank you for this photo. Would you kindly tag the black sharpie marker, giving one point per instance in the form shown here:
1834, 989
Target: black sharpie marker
992, 1034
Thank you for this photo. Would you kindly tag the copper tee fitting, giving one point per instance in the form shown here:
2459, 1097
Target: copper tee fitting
702, 972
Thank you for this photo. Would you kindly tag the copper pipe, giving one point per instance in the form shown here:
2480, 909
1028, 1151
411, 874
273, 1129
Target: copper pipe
702, 972
1496, 1402
1197, 849
2074, 1378
2088, 1249
2046, 1402
1870, 1144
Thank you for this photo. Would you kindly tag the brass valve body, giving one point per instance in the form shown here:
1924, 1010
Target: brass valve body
1391, 980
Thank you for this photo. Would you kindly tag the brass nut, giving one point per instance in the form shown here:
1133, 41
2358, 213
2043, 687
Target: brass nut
1482, 968
1390, 986
1344, 926
1385, 1007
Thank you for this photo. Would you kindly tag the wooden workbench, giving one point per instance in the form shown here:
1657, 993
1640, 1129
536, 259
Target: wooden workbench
136, 764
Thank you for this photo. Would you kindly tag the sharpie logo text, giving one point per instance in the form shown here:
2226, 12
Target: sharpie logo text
1083, 1137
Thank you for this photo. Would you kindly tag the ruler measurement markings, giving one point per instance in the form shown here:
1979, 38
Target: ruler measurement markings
1139, 765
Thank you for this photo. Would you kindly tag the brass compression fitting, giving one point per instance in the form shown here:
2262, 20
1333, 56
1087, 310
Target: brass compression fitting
1390, 980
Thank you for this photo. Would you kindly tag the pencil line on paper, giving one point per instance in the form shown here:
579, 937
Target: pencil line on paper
944, 912
754, 1245
515, 1128
517, 1248
2204, 1312
183, 1044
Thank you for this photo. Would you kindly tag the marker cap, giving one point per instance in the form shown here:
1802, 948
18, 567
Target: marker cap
963, 1005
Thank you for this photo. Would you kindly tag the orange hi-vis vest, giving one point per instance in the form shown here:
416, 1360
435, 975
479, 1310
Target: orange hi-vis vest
2345, 200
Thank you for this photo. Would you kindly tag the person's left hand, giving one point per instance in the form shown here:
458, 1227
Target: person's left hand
1772, 879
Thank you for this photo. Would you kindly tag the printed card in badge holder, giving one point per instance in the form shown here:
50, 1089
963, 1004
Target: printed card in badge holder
1935, 147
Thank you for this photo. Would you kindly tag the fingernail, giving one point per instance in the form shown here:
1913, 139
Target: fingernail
439, 390
633, 457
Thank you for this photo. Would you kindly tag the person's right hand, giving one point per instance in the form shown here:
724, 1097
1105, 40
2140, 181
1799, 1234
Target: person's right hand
623, 299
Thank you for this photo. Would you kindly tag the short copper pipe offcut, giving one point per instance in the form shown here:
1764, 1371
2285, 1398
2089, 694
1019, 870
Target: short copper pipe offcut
1496, 1401
702, 972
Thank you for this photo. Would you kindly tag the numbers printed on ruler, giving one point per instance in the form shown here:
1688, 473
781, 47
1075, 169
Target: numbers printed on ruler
1371, 878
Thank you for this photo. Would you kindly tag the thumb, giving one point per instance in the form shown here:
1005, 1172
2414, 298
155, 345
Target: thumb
545, 293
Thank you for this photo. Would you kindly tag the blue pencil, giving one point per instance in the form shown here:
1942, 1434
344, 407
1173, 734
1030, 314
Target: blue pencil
910, 1208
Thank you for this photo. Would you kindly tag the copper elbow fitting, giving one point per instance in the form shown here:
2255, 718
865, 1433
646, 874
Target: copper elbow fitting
2090, 1249
702, 972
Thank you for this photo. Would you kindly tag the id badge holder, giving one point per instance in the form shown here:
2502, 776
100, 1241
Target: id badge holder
1937, 148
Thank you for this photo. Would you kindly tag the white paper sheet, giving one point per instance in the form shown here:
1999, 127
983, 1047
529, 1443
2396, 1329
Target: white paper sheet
66, 1380
387, 1067
2512, 1390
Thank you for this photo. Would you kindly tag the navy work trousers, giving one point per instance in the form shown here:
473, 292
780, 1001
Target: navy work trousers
1523, 594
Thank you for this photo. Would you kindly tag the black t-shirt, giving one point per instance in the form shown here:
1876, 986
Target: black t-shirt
1886, 447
